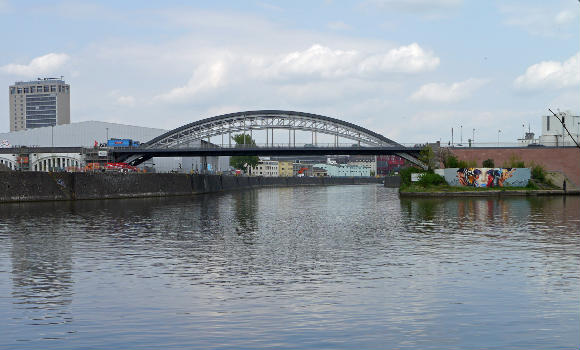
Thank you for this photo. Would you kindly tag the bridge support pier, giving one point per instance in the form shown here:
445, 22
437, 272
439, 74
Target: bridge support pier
203, 161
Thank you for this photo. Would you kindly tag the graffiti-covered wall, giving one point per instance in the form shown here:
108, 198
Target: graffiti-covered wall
487, 177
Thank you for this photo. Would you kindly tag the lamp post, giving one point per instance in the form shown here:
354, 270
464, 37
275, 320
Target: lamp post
461, 134
498, 132
473, 135
107, 140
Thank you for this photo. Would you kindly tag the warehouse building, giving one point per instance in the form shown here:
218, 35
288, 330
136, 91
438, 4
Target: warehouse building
88, 134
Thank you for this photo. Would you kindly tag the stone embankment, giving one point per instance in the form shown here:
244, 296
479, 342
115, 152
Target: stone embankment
39, 186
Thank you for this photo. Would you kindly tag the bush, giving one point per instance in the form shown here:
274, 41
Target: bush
488, 163
538, 173
451, 162
532, 185
514, 162
429, 179
467, 164
406, 175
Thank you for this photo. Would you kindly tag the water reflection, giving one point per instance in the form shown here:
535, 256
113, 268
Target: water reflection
41, 261
311, 267
246, 209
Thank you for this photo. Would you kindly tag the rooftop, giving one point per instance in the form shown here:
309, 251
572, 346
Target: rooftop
41, 81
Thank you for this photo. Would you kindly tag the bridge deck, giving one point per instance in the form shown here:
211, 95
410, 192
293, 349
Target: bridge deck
262, 151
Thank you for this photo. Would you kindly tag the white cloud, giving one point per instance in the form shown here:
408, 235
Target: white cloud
317, 63
317, 60
339, 25
4, 6
323, 62
128, 101
404, 59
540, 21
418, 6
564, 17
206, 77
550, 75
46, 64
437, 92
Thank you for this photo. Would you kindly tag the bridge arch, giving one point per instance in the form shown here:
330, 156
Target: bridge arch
246, 122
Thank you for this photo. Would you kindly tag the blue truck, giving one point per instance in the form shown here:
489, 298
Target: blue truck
122, 143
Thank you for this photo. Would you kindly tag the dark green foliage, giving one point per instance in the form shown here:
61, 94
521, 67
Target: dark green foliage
540, 176
538, 173
429, 179
451, 162
488, 163
243, 139
467, 164
532, 185
244, 162
406, 175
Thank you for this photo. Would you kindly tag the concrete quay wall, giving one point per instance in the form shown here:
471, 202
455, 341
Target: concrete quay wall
40, 186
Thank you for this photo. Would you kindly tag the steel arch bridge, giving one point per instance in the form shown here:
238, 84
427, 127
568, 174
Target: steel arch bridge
267, 120
179, 141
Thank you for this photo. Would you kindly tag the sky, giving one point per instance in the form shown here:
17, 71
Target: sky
408, 69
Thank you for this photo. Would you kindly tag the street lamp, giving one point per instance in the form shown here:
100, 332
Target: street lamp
107, 140
498, 132
473, 135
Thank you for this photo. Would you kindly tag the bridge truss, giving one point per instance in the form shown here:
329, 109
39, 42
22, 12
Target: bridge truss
199, 133
246, 122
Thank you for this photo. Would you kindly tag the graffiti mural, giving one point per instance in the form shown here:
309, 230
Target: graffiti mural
487, 177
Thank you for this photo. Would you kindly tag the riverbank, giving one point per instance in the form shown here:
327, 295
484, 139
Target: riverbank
41, 186
480, 192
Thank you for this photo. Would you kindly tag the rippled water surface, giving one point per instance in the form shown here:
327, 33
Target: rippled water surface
291, 268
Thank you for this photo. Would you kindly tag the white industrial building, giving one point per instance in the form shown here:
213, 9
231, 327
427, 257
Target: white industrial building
554, 133
86, 134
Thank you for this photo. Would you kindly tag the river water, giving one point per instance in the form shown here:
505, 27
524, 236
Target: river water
338, 267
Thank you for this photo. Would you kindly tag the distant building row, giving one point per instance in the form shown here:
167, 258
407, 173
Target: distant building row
361, 166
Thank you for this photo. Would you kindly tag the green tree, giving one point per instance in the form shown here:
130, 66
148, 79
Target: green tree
451, 161
488, 163
244, 162
427, 156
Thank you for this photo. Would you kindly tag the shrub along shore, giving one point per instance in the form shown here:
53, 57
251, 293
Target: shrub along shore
434, 185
